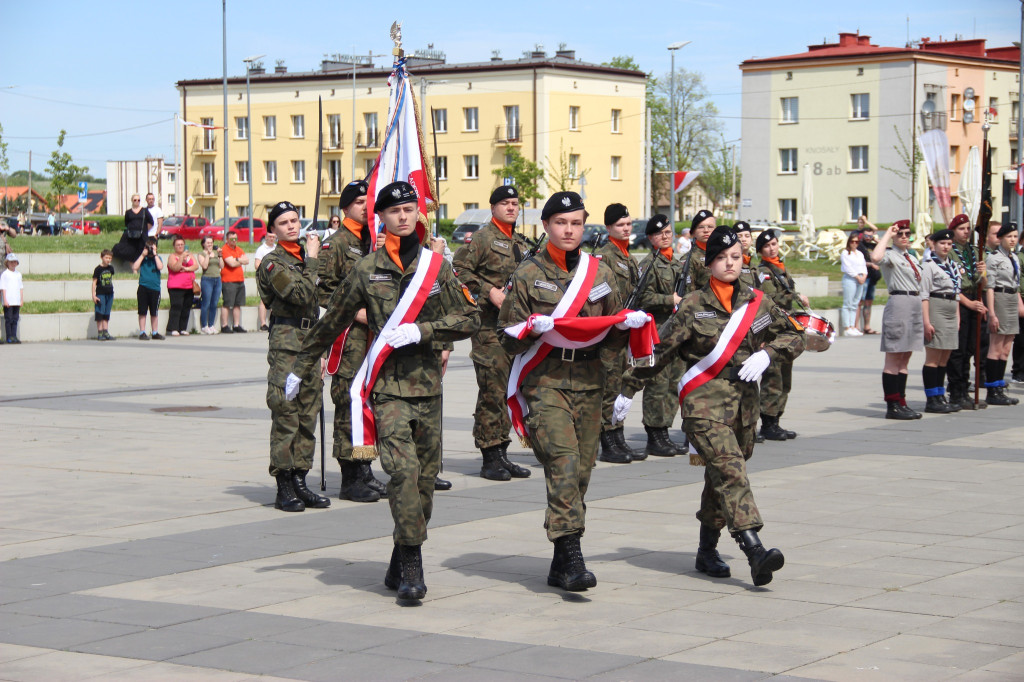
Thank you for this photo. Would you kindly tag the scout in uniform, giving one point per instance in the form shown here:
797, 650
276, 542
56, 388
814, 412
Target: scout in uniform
286, 281
615, 255
695, 272
1005, 309
940, 309
747, 275
778, 379
659, 298
484, 266
719, 396
338, 256
902, 321
972, 272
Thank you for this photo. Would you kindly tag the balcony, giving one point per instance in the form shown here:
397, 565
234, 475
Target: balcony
1013, 128
330, 187
509, 133
368, 139
204, 189
204, 145
334, 145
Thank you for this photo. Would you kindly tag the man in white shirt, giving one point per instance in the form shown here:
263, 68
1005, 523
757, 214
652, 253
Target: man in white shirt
158, 215
683, 244
268, 245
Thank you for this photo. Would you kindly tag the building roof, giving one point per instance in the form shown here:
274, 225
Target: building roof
14, 192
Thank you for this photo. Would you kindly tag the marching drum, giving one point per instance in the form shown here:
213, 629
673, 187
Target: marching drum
819, 334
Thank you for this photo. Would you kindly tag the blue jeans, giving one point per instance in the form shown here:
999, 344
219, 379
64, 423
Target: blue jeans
211, 298
853, 291
104, 306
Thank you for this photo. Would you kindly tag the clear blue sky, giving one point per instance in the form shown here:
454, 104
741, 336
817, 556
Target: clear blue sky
126, 55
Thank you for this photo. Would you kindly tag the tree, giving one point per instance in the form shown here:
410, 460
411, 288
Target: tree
910, 159
5, 165
562, 175
717, 178
524, 174
63, 171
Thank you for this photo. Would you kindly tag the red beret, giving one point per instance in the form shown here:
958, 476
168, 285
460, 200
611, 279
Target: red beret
958, 219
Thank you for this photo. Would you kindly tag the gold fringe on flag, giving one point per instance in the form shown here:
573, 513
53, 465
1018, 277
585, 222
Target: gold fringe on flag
365, 452
696, 460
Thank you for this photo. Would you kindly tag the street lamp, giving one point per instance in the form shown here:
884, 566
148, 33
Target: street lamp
672, 134
248, 136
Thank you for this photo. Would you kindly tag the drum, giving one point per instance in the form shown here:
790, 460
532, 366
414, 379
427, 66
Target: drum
819, 334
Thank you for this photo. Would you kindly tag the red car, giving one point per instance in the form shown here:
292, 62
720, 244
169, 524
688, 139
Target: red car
75, 227
239, 225
187, 226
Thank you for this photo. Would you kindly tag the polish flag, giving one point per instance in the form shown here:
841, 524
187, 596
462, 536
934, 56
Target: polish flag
681, 179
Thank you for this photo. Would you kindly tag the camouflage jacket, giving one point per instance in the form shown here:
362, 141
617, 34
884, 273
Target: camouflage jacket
627, 274
537, 287
657, 298
376, 284
338, 255
287, 286
692, 333
777, 284
487, 261
697, 274
748, 276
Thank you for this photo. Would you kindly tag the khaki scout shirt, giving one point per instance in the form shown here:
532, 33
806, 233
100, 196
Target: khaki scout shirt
899, 272
1001, 270
287, 286
338, 255
487, 261
936, 279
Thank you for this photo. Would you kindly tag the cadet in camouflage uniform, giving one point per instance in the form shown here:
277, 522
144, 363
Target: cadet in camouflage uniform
407, 393
564, 391
696, 273
720, 415
286, 281
484, 266
615, 255
659, 298
972, 272
747, 275
778, 378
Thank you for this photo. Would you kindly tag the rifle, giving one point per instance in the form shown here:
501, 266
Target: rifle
534, 250
681, 283
641, 284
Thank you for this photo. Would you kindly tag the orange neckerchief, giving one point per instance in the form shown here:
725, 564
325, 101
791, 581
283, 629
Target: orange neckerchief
667, 252
354, 226
723, 292
746, 259
703, 246
776, 262
506, 228
293, 248
623, 245
393, 244
558, 256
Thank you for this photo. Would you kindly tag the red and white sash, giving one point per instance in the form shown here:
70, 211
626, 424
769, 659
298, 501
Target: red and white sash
364, 431
334, 356
708, 367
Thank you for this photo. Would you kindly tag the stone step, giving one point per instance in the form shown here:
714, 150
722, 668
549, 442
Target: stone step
81, 289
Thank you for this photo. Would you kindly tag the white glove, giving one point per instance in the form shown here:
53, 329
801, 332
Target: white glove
621, 408
403, 335
543, 323
634, 320
754, 366
291, 386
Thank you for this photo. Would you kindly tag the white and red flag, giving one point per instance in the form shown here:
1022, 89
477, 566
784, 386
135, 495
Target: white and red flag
1020, 180
681, 179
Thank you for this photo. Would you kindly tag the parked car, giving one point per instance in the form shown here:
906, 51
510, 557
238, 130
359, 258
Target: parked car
463, 234
75, 227
321, 227
239, 225
594, 235
185, 226
638, 237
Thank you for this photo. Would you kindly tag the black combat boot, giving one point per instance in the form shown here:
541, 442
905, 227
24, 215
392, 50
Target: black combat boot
353, 487
659, 444
512, 468
770, 428
758, 438
287, 500
790, 435
709, 561
371, 481
620, 439
907, 411
995, 396
412, 587
610, 451
492, 469
308, 497
894, 411
953, 407
568, 570
935, 404
763, 562
1002, 392
441, 484
394, 575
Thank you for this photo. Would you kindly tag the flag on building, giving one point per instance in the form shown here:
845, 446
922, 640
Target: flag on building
681, 179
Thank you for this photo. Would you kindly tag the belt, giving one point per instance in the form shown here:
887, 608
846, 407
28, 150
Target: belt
1004, 290
904, 293
947, 297
300, 322
575, 354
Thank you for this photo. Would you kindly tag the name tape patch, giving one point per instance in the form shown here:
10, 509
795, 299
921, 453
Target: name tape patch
599, 292
704, 314
623, 266
761, 322
544, 285
384, 277
357, 251
501, 244
435, 290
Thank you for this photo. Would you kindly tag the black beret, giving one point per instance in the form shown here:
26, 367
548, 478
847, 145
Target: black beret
701, 216
562, 202
280, 209
765, 237
741, 226
614, 213
352, 191
395, 194
1006, 229
959, 219
657, 223
939, 235
502, 193
720, 240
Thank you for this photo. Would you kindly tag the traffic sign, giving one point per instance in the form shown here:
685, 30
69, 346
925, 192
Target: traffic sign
83, 191
190, 202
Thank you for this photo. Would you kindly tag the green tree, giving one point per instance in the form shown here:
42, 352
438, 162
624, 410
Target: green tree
561, 175
717, 177
5, 165
524, 174
63, 171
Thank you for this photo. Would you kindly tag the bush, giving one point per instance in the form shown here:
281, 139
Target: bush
109, 223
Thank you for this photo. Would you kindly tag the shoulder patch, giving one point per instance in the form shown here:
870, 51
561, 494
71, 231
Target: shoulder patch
326, 246
704, 314
539, 284
764, 276
761, 322
599, 292
380, 277
270, 267
435, 290
599, 256
469, 296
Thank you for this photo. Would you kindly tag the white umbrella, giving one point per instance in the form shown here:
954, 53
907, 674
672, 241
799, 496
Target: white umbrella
969, 189
923, 222
807, 231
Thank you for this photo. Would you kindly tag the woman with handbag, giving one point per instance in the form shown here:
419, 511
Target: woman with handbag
182, 267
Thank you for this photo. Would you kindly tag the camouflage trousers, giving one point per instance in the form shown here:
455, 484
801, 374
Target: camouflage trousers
614, 369
564, 432
727, 500
351, 359
491, 423
293, 423
661, 396
409, 442
775, 386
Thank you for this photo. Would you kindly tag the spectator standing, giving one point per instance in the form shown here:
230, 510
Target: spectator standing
103, 294
269, 242
148, 265
6, 231
12, 293
867, 244
855, 276
51, 223
683, 244
137, 221
181, 266
157, 214
333, 225
22, 222
232, 276
210, 261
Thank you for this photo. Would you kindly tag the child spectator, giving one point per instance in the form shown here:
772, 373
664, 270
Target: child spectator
103, 294
148, 265
12, 295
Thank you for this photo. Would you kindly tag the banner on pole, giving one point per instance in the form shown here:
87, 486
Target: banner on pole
681, 179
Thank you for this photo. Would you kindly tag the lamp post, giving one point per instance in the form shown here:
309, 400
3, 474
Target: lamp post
672, 135
224, 57
248, 136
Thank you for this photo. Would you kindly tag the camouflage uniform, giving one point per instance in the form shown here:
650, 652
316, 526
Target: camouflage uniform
287, 287
748, 277
697, 274
778, 378
407, 394
485, 262
661, 397
563, 396
720, 416
627, 275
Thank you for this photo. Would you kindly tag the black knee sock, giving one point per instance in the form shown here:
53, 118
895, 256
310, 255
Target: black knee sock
903, 388
1002, 372
992, 373
932, 381
891, 387
940, 376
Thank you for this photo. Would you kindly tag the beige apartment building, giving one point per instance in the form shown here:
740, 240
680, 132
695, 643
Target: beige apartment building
847, 114
547, 107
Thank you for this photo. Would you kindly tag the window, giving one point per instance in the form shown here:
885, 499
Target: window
858, 207
368, 166
954, 107
441, 120
616, 118
171, 199
170, 177
241, 127
209, 179
301, 211
298, 126
787, 160
790, 109
209, 212
512, 131
574, 166
993, 109
269, 127
242, 210
616, 162
298, 171
787, 210
441, 167
860, 106
270, 172
472, 116
334, 176
442, 211
208, 135
243, 170
954, 157
334, 128
470, 207
370, 121
472, 166
858, 158
574, 118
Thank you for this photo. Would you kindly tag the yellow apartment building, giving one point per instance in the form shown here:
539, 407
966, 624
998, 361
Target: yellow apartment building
548, 107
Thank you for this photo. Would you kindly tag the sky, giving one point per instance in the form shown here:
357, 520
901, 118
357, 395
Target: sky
105, 71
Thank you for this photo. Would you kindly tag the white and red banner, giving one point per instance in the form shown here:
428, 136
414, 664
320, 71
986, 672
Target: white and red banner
200, 125
1020, 180
681, 179
935, 150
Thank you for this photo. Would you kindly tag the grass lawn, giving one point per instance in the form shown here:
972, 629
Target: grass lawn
69, 276
46, 307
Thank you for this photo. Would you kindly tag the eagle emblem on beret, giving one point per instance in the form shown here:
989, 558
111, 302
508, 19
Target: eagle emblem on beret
728, 239
566, 201
659, 224
362, 189
511, 191
396, 193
